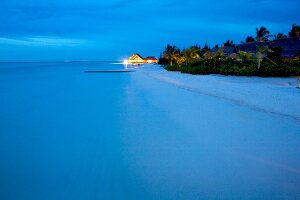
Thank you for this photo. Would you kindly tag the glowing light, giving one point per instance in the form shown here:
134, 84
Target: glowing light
125, 62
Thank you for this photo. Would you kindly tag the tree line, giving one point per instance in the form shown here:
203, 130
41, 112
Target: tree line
265, 62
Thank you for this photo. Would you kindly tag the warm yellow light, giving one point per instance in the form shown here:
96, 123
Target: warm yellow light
149, 61
125, 62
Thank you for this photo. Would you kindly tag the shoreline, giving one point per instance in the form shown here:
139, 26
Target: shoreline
275, 95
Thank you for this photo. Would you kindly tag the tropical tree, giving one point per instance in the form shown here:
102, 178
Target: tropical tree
274, 55
171, 54
261, 53
205, 49
228, 43
208, 55
180, 59
249, 39
219, 54
245, 56
297, 56
279, 36
262, 34
191, 55
197, 48
295, 32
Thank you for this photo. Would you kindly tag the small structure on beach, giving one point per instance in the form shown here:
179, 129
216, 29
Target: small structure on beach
135, 59
138, 59
151, 59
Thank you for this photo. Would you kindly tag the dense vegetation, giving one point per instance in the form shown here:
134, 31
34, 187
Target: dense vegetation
265, 62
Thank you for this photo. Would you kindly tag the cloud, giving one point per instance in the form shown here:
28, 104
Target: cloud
91, 17
17, 18
41, 41
141, 24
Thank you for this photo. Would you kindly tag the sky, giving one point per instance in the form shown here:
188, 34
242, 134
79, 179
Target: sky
51, 30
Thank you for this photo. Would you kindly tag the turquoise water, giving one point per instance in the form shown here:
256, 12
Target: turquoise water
66, 134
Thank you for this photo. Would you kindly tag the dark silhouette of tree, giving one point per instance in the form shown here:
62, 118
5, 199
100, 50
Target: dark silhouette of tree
297, 55
228, 43
279, 36
162, 60
196, 46
250, 39
171, 54
295, 32
205, 49
262, 34
274, 54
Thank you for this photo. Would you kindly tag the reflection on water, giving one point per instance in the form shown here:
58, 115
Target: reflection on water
66, 134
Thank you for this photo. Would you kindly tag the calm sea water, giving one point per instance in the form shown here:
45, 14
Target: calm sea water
66, 134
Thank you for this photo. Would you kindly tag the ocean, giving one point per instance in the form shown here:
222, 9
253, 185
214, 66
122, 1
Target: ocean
67, 134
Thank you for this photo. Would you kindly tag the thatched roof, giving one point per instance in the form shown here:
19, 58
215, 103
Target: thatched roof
227, 50
251, 47
150, 58
290, 46
135, 56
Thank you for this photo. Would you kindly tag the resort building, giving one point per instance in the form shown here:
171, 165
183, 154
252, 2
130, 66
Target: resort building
151, 59
137, 59
290, 48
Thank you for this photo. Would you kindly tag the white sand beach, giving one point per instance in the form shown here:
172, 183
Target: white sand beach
278, 96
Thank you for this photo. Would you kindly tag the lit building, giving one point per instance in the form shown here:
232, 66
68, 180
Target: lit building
137, 59
151, 59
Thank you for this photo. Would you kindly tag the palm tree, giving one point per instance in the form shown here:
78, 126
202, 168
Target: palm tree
196, 46
279, 36
297, 56
295, 32
228, 43
208, 55
219, 54
262, 34
204, 50
171, 53
250, 39
245, 56
261, 53
190, 55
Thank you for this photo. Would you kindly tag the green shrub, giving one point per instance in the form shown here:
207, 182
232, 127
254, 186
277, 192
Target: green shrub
244, 68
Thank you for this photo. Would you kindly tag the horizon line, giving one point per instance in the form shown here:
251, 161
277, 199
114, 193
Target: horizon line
61, 61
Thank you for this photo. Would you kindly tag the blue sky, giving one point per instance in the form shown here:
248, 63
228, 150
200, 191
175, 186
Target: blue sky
51, 30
